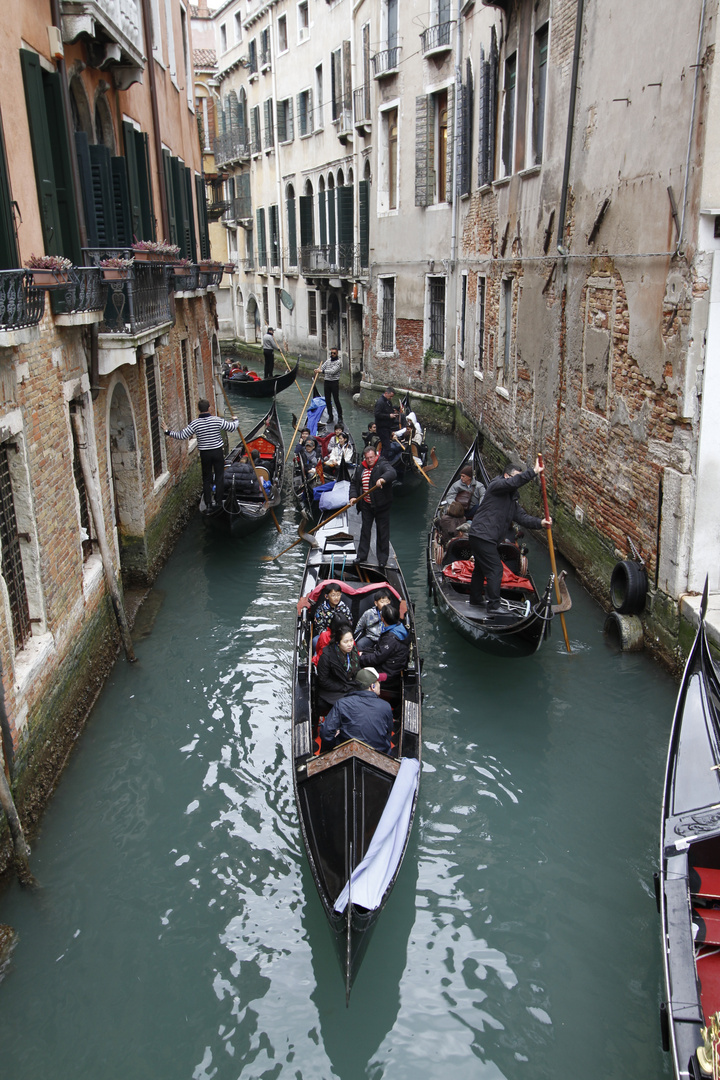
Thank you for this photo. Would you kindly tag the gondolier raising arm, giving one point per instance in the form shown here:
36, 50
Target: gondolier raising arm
208, 429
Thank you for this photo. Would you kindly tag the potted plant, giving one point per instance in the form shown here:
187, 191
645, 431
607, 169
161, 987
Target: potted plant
181, 267
116, 269
155, 251
229, 268
49, 271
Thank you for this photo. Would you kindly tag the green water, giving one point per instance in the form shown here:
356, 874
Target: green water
178, 936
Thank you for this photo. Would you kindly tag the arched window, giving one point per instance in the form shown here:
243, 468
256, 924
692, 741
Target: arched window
307, 220
104, 130
82, 119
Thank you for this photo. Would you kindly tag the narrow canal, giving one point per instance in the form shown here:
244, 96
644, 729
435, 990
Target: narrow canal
178, 936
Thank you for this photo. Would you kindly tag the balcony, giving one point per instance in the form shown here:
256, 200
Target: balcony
344, 124
232, 147
113, 35
361, 110
215, 210
385, 63
83, 300
21, 308
324, 260
187, 283
243, 211
138, 309
437, 39
248, 265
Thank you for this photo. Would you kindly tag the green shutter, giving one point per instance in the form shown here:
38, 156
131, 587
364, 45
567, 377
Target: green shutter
133, 179
292, 232
121, 199
307, 232
364, 216
9, 257
262, 248
323, 218
331, 217
191, 216
62, 165
42, 153
345, 201
281, 110
147, 209
102, 194
182, 213
201, 200
170, 197
82, 150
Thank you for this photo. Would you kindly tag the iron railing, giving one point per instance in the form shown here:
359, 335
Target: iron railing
248, 264
188, 280
243, 207
361, 102
385, 61
233, 146
142, 300
21, 304
328, 258
436, 37
209, 277
85, 291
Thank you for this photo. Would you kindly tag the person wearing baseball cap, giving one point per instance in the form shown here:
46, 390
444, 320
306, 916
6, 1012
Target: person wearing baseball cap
361, 714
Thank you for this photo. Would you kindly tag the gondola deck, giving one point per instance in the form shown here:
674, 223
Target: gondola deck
344, 795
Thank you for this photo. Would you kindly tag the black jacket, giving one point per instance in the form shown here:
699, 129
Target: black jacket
382, 470
335, 678
244, 476
360, 715
500, 507
391, 653
383, 417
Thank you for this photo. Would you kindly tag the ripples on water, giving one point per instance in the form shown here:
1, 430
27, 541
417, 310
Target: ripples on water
179, 935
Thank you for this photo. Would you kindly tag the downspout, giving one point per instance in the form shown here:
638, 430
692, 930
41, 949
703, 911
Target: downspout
456, 186
692, 125
147, 31
570, 125
278, 171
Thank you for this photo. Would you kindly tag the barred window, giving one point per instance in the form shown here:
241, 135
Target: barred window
436, 328
312, 314
12, 566
480, 323
186, 378
152, 395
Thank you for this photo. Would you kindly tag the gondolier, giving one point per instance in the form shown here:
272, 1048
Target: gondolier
208, 429
497, 511
375, 505
330, 370
386, 419
269, 345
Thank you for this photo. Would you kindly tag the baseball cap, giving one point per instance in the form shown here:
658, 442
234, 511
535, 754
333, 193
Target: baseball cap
366, 677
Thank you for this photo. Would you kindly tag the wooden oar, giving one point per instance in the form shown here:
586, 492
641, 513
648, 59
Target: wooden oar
416, 459
250, 459
271, 558
551, 549
302, 415
287, 365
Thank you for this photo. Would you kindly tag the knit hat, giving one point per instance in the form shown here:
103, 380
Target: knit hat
467, 470
366, 677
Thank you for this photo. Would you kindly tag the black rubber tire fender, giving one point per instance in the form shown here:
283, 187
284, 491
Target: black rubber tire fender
628, 587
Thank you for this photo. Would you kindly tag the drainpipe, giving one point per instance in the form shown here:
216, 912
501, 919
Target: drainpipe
456, 147
65, 90
147, 31
690, 132
278, 172
570, 125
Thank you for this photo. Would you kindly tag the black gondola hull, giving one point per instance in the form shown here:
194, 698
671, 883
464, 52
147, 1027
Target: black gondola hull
262, 387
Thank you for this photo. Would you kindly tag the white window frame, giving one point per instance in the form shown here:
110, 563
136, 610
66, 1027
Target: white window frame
426, 320
480, 320
383, 164
381, 314
282, 19
505, 334
319, 88
303, 24
224, 46
237, 20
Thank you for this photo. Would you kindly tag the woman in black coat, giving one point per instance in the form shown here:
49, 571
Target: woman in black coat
337, 668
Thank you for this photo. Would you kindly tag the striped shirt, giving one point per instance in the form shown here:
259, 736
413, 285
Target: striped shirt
207, 429
366, 483
331, 370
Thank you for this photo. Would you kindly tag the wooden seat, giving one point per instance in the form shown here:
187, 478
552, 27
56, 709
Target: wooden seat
705, 882
708, 921
262, 472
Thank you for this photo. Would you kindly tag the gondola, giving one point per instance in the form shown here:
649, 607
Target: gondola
412, 462
688, 886
523, 622
304, 486
242, 513
262, 387
346, 798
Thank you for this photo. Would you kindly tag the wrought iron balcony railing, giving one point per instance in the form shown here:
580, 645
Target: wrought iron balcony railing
86, 291
243, 208
248, 264
233, 146
386, 61
188, 281
328, 259
140, 302
20, 303
361, 103
436, 37
206, 277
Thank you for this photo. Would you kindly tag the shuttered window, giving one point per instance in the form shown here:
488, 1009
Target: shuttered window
467, 131
261, 239
9, 258
345, 202
285, 126
307, 230
268, 124
292, 229
364, 221
139, 184
322, 217
332, 234
12, 565
203, 232
487, 111
274, 237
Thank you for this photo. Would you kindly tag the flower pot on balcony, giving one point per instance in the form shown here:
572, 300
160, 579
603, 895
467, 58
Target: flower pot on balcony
115, 273
146, 256
49, 279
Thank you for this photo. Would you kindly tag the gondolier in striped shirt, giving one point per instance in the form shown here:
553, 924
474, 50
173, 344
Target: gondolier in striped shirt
208, 429
330, 370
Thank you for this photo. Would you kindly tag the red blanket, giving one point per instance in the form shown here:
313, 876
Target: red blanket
314, 595
462, 570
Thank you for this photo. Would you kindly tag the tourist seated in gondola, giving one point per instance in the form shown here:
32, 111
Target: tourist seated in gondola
310, 456
371, 437
342, 451
240, 475
449, 523
467, 491
392, 652
361, 714
337, 667
251, 374
339, 429
370, 625
329, 607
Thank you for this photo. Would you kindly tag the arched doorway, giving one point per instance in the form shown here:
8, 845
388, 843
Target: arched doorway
333, 317
252, 320
127, 487
240, 309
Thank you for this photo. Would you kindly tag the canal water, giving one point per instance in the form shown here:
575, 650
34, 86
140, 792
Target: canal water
177, 934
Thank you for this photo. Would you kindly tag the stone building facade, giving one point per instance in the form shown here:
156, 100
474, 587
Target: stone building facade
529, 235
98, 150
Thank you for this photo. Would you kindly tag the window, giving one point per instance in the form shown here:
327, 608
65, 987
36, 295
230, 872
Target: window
187, 390
274, 237
487, 109
467, 131
154, 416
387, 300
291, 226
178, 185
223, 38
86, 521
261, 240
12, 564
278, 308
312, 314
508, 129
285, 126
480, 326
255, 129
186, 59
320, 122
282, 34
506, 315
463, 315
238, 27
252, 57
265, 52
336, 84
436, 316
266, 305
303, 21
170, 38
390, 24
539, 91
269, 125
305, 120
433, 148
307, 218
390, 121
364, 221
199, 372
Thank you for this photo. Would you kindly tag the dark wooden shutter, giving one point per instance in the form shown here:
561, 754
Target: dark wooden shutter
102, 193
244, 195
191, 216
345, 201
307, 232
261, 243
282, 121
487, 109
292, 232
332, 232
147, 209
82, 149
170, 197
323, 218
423, 185
121, 199
364, 221
182, 211
62, 166
274, 216
42, 152
9, 257
467, 131
133, 179
289, 123
203, 233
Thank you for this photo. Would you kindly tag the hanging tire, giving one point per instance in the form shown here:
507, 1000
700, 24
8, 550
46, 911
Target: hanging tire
628, 587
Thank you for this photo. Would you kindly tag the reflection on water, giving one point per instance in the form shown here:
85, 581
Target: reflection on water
178, 933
